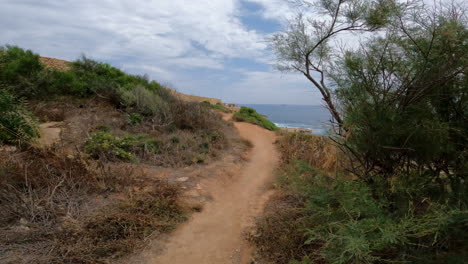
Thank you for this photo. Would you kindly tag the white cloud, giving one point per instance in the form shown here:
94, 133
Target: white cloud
172, 40
155, 29
279, 10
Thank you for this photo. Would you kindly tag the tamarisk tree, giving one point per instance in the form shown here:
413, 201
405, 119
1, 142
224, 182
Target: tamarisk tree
399, 97
305, 46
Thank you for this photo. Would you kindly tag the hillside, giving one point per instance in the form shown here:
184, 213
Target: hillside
95, 162
65, 65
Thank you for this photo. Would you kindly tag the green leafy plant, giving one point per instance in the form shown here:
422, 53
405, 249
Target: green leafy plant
16, 123
20, 71
134, 119
103, 144
103, 128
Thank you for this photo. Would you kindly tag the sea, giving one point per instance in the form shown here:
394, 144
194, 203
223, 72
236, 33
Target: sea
313, 117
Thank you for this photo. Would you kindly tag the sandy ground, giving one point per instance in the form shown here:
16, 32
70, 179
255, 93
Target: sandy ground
50, 134
216, 234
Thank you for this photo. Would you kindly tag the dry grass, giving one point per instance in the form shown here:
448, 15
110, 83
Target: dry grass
39, 186
55, 63
279, 232
194, 98
183, 148
56, 209
120, 227
318, 151
201, 139
279, 235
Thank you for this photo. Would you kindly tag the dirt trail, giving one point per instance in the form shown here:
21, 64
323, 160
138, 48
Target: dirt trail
215, 235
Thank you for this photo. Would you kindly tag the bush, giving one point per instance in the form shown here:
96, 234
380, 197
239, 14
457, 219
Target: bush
41, 186
20, 71
247, 114
401, 121
146, 102
343, 223
134, 119
104, 145
317, 151
46, 200
218, 106
16, 123
121, 227
96, 77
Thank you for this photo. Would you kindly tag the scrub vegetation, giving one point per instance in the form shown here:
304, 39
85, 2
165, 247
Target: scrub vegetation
247, 114
391, 187
82, 200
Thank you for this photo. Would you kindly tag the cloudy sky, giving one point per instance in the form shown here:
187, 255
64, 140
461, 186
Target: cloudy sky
214, 48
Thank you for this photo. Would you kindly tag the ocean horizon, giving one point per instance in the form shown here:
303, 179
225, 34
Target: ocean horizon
313, 117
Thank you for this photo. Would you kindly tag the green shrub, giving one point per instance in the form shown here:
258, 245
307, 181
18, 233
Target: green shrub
344, 223
24, 76
20, 71
218, 106
103, 128
97, 77
146, 102
16, 123
134, 119
247, 114
102, 144
105, 145
198, 159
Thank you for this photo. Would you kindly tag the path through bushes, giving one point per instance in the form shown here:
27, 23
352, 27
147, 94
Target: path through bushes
215, 235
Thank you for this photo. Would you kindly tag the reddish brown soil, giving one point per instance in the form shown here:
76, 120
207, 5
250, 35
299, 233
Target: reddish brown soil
55, 63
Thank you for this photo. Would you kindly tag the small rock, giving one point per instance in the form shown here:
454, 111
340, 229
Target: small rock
198, 186
182, 179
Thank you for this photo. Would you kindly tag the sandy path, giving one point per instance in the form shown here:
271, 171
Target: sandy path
216, 234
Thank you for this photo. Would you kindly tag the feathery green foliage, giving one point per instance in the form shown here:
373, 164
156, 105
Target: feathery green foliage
16, 123
340, 221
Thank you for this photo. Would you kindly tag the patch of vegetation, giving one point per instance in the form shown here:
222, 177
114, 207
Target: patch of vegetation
105, 145
134, 119
317, 151
218, 106
21, 72
103, 128
179, 149
45, 198
247, 114
318, 218
57, 208
182, 148
16, 123
399, 119
23, 75
121, 227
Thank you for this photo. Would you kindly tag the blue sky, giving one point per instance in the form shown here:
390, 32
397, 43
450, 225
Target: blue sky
215, 48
